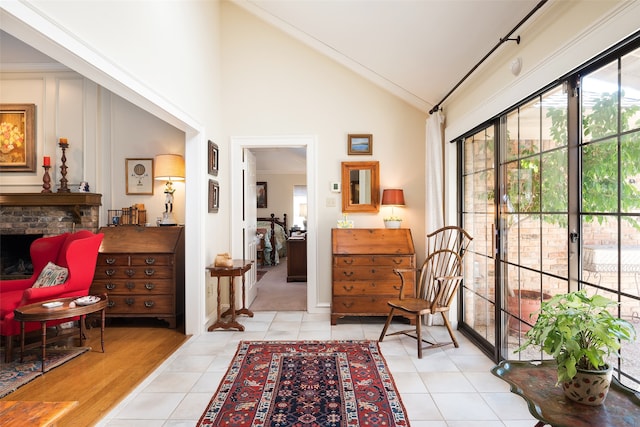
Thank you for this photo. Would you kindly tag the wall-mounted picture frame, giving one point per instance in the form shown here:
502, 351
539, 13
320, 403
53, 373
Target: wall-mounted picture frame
261, 195
214, 196
18, 138
213, 158
360, 144
139, 176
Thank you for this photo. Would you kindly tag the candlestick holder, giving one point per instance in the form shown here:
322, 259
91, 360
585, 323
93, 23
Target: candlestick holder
63, 170
46, 180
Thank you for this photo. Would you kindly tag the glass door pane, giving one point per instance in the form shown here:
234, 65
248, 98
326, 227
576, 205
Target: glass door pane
478, 291
533, 214
610, 195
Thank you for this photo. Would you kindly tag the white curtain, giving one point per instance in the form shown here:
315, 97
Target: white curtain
434, 186
434, 173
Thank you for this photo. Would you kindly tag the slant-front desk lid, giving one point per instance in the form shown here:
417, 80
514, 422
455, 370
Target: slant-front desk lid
380, 241
133, 239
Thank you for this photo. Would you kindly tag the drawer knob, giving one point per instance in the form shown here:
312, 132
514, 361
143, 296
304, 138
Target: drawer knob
149, 271
110, 286
130, 285
130, 272
149, 286
397, 261
129, 301
110, 272
348, 273
348, 261
110, 261
347, 304
348, 288
111, 303
149, 304
150, 261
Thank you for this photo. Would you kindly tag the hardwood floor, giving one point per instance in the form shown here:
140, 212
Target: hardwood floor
98, 381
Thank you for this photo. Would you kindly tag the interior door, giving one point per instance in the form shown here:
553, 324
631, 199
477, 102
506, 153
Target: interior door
250, 214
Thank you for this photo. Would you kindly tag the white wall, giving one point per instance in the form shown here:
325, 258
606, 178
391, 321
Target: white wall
564, 36
274, 85
51, 92
280, 194
68, 106
165, 59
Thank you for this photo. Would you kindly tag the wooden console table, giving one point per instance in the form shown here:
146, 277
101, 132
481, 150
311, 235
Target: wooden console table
239, 268
536, 383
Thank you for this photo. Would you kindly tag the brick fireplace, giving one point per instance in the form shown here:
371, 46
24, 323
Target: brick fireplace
27, 216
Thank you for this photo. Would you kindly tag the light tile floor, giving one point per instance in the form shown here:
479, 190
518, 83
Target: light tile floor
448, 387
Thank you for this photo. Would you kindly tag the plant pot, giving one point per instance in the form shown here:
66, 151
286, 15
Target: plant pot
526, 305
588, 387
392, 224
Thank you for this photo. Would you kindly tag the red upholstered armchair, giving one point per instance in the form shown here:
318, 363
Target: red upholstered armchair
78, 252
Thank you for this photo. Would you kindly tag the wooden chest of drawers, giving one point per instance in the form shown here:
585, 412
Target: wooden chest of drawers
362, 271
142, 271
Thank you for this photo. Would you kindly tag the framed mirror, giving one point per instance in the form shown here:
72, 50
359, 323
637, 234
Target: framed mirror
360, 187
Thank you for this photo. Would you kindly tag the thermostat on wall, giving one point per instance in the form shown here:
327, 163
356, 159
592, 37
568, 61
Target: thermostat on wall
335, 187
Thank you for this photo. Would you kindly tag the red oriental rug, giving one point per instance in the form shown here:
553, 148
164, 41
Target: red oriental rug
306, 384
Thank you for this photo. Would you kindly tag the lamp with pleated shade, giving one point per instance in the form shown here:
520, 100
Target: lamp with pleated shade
168, 167
392, 197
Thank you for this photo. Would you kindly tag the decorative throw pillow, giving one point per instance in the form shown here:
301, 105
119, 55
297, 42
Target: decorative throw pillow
51, 275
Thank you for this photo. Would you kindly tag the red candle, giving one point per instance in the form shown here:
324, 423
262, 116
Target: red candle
46, 161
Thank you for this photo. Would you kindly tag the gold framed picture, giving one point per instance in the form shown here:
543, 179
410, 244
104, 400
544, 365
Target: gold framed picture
360, 144
139, 176
17, 137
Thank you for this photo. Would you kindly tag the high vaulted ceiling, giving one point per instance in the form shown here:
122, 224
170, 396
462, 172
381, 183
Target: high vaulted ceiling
416, 49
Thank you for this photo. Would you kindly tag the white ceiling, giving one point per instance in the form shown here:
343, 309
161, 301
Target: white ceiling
416, 49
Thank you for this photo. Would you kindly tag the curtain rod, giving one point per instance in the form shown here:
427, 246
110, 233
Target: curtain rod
502, 40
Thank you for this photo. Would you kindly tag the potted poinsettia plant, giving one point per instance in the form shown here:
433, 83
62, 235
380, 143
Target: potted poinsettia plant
580, 333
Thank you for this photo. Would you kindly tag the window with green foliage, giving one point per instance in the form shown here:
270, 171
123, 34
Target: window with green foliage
558, 203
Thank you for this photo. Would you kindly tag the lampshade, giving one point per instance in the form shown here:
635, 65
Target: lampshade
169, 167
303, 210
393, 197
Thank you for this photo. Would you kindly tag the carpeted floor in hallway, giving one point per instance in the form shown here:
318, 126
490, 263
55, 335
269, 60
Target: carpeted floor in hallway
276, 294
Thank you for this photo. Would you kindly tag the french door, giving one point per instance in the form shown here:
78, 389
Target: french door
551, 194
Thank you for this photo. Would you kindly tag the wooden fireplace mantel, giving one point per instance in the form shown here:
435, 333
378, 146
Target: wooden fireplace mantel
73, 200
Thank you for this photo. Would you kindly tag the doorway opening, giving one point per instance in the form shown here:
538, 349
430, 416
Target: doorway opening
279, 164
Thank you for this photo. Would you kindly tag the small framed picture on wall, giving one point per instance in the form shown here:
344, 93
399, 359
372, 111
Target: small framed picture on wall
214, 196
213, 158
18, 141
360, 144
261, 195
139, 176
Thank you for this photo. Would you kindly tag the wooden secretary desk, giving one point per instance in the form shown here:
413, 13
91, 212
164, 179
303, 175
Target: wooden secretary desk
142, 271
362, 269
